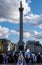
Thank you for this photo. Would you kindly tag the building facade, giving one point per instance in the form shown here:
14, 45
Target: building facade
4, 43
34, 46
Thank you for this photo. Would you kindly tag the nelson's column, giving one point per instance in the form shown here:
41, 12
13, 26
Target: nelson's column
21, 43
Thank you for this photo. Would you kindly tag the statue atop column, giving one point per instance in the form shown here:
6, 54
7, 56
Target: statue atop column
20, 3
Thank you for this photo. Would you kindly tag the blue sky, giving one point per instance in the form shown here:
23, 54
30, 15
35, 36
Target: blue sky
32, 20
36, 6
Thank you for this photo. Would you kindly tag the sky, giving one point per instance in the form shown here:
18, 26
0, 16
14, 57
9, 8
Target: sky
32, 20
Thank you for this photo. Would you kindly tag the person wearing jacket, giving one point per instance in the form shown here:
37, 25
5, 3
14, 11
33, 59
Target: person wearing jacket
21, 60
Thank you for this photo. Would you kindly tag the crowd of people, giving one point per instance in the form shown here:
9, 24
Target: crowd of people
19, 58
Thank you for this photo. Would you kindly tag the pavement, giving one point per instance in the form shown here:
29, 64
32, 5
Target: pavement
15, 64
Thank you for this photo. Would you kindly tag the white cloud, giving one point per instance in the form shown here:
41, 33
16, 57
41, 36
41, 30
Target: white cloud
26, 34
40, 26
34, 20
33, 34
29, 34
36, 34
4, 32
9, 10
14, 32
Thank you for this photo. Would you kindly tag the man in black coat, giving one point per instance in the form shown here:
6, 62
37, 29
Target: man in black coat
1, 58
38, 58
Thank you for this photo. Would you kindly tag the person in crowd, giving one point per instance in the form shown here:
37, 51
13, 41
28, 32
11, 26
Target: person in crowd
34, 58
5, 57
41, 58
27, 56
21, 60
15, 58
1, 58
38, 58
10, 58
